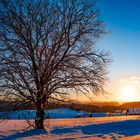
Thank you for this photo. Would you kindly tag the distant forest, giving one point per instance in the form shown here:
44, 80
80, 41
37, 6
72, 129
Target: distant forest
88, 107
106, 107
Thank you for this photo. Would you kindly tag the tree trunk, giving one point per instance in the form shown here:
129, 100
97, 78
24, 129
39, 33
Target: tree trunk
39, 117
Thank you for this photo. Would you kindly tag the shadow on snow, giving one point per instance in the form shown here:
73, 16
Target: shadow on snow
28, 133
127, 128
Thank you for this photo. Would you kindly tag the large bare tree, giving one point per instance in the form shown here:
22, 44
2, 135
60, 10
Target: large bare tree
47, 51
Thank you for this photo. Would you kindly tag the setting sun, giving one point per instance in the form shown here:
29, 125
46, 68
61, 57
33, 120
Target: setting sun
128, 94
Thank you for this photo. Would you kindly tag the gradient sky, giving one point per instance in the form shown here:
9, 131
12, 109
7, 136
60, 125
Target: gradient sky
122, 19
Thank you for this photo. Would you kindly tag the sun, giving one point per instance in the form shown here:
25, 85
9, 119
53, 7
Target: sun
128, 94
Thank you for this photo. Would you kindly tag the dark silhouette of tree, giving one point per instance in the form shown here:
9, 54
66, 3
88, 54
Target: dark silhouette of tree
47, 51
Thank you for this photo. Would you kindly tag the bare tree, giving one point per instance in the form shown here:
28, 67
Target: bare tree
47, 51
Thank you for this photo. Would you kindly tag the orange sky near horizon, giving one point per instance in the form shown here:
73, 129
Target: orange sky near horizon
121, 90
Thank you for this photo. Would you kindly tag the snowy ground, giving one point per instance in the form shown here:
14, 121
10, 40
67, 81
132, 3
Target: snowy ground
53, 113
123, 127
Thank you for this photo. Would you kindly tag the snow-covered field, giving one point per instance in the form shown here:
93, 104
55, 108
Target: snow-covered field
123, 127
53, 114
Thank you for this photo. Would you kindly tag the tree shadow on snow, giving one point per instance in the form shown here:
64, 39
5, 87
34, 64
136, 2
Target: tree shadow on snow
126, 128
28, 133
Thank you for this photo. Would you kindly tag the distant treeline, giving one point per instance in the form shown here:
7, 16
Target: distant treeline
88, 107
105, 108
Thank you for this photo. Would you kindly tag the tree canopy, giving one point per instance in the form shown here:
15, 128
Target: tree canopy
47, 49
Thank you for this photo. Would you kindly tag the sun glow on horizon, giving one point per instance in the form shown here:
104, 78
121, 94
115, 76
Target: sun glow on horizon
125, 89
128, 93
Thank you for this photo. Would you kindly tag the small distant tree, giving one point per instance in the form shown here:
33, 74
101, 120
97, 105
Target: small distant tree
47, 51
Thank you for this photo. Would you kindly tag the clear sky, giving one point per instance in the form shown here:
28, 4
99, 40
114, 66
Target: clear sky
122, 19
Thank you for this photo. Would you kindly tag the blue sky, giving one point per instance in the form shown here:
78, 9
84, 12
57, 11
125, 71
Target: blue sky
122, 19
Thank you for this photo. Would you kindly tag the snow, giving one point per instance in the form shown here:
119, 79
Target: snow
64, 124
64, 113
54, 114
99, 114
133, 111
22, 114
111, 128
30, 114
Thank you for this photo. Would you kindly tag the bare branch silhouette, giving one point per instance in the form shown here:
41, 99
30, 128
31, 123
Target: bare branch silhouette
47, 51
